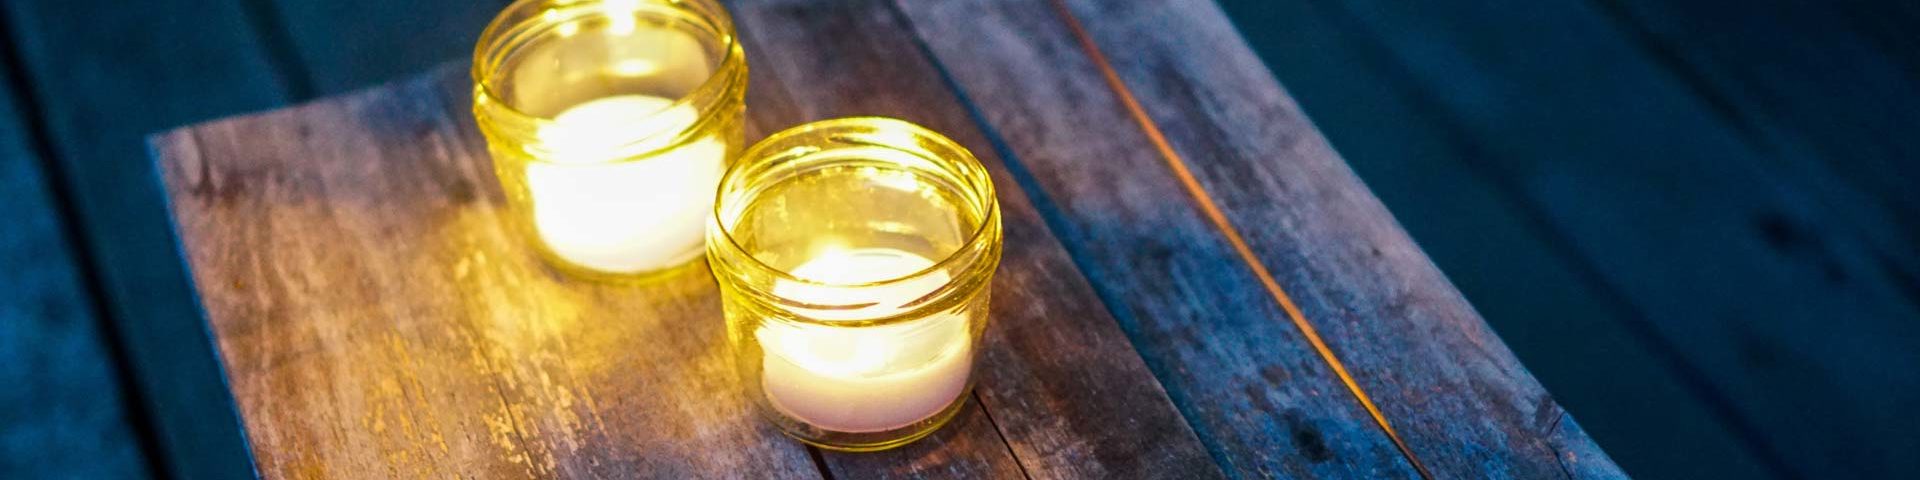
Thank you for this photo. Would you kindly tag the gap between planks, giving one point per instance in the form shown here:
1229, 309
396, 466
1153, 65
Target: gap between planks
1219, 220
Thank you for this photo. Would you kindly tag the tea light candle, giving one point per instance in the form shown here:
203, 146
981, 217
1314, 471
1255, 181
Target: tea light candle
597, 205
854, 258
872, 378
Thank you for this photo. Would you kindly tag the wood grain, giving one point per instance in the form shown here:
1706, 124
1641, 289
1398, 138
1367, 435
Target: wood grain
430, 308
63, 413
970, 447
104, 74
1769, 284
378, 320
1062, 385
1573, 332
1464, 406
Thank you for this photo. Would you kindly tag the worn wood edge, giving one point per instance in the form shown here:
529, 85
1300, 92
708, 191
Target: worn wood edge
1469, 320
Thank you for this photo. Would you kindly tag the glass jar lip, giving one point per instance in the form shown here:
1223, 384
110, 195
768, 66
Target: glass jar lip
523, 15
975, 176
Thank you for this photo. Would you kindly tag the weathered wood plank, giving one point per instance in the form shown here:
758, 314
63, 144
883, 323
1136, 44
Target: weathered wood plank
347, 44
1061, 383
1463, 405
378, 319
104, 74
62, 412
970, 447
1630, 389
1765, 285
243, 173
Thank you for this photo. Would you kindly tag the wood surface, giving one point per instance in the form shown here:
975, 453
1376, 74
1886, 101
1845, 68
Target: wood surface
366, 296
1816, 91
1280, 197
58, 417
103, 74
1152, 426
1583, 340
381, 321
1762, 280
1068, 394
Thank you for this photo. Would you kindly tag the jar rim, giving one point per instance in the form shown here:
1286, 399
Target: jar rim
518, 19
974, 174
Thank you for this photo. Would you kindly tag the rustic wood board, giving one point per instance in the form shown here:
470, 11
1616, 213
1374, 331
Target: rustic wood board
1271, 200
377, 319
300, 182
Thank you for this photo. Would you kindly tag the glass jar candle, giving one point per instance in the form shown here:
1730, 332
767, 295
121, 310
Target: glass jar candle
854, 258
610, 123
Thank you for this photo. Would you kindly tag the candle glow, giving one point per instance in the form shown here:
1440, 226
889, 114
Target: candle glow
596, 206
865, 379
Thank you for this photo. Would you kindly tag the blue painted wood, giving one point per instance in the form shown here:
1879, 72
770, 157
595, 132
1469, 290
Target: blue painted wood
62, 411
105, 73
1196, 310
1758, 277
1567, 326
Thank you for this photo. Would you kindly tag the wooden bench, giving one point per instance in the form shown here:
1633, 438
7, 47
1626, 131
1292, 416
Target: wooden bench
1194, 283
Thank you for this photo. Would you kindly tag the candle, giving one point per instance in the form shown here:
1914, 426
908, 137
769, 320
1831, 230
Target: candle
854, 258
610, 123
612, 196
872, 378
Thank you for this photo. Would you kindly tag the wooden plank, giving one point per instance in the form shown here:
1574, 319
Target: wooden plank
1628, 386
342, 45
970, 447
1059, 380
1463, 406
379, 320
242, 173
62, 414
164, 63
1763, 285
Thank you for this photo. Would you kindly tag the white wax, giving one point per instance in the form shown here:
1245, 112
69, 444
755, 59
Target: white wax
864, 379
598, 205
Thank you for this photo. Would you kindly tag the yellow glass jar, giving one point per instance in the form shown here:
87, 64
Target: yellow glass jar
610, 123
854, 258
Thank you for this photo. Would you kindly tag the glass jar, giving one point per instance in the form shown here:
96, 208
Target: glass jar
610, 124
854, 258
